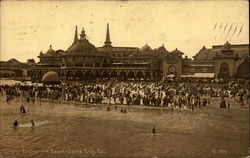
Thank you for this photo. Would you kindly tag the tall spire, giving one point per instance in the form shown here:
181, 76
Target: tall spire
76, 36
107, 42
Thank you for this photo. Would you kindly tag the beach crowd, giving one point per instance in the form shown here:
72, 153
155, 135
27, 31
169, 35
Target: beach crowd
157, 94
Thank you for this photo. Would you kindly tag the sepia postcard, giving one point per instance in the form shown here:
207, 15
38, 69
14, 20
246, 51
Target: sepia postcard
124, 79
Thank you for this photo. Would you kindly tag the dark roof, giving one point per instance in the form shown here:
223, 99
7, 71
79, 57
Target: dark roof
176, 51
81, 46
50, 51
13, 63
146, 47
227, 45
209, 54
162, 49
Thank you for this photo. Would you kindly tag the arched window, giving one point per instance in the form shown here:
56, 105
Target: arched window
243, 70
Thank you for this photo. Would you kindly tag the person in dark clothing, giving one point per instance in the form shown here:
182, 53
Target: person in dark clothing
32, 123
125, 111
108, 109
15, 123
154, 130
121, 110
228, 105
129, 100
22, 109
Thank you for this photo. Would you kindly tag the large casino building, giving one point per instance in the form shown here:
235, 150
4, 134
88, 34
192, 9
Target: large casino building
82, 61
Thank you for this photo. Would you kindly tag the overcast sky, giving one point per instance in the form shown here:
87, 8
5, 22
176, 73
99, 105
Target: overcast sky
31, 26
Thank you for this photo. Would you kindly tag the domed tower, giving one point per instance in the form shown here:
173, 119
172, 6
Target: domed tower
162, 49
82, 45
49, 58
81, 53
50, 51
146, 48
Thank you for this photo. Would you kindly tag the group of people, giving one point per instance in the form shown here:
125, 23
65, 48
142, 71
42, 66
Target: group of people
22, 110
157, 94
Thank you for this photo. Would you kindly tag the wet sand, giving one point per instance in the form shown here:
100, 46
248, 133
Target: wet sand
75, 130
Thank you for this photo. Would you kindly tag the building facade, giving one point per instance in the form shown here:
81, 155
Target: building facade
219, 62
82, 61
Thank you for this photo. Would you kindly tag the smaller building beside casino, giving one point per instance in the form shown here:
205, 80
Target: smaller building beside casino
220, 62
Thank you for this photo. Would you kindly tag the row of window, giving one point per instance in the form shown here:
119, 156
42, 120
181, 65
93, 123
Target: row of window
82, 65
120, 55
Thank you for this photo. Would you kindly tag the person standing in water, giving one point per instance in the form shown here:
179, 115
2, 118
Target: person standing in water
15, 123
154, 130
22, 109
32, 123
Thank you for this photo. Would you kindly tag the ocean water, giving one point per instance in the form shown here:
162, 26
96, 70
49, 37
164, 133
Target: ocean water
67, 130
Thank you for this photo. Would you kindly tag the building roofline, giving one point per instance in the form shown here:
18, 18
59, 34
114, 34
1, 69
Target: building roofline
232, 45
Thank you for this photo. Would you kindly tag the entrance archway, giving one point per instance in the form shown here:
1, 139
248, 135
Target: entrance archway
122, 76
113, 75
105, 75
243, 70
39, 75
69, 76
139, 76
78, 76
131, 75
88, 75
